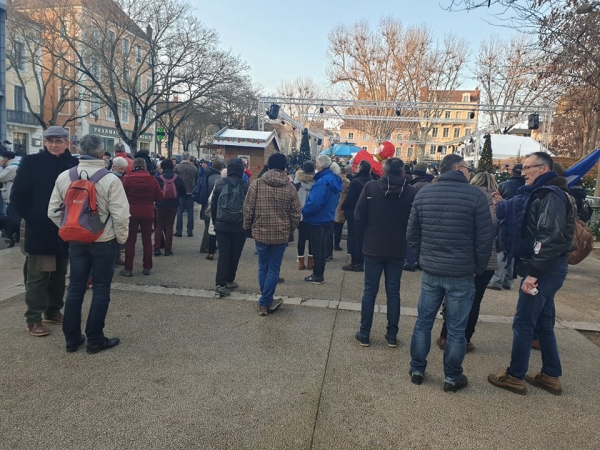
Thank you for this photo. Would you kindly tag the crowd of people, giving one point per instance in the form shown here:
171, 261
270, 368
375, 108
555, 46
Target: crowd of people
445, 225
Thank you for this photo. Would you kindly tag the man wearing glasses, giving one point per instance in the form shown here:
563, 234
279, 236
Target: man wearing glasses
450, 232
549, 222
47, 255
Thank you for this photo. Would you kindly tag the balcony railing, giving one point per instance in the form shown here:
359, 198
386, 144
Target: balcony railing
23, 117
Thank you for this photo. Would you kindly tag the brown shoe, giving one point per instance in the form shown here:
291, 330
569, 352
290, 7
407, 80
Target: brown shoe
37, 329
310, 263
301, 265
441, 343
505, 381
210, 256
57, 319
541, 380
535, 344
470, 347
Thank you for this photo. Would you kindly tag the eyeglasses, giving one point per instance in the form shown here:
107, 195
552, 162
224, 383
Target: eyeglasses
466, 167
531, 167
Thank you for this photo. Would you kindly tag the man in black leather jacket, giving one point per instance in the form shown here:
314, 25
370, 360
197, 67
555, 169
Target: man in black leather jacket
549, 221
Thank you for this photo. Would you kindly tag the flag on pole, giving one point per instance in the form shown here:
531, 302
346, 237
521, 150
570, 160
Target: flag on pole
578, 170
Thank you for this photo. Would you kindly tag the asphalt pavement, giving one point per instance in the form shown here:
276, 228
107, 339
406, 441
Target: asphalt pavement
198, 372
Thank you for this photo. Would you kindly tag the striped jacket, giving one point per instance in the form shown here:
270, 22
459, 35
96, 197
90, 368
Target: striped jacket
272, 208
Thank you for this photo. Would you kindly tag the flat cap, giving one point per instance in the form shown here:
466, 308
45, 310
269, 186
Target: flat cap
56, 131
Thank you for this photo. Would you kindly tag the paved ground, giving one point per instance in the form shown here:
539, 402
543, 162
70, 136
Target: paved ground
198, 372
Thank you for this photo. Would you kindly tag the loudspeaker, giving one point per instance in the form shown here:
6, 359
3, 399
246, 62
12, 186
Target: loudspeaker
319, 141
533, 122
273, 112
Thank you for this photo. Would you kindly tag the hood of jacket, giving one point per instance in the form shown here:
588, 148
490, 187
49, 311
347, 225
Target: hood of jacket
425, 177
275, 178
89, 162
560, 182
392, 185
235, 167
303, 177
334, 181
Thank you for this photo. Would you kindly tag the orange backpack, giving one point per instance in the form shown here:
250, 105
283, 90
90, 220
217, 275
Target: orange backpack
81, 220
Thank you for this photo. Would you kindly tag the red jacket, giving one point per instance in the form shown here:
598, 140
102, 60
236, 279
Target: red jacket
142, 191
129, 161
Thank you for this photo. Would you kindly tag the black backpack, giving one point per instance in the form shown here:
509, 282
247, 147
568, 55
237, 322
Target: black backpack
230, 205
586, 211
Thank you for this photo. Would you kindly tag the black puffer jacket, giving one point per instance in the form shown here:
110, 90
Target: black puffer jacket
550, 221
354, 190
150, 165
450, 228
381, 216
508, 188
30, 196
235, 170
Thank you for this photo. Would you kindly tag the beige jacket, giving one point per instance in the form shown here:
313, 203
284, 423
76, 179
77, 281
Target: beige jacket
110, 197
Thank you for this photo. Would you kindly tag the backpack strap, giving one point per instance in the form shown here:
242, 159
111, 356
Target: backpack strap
99, 175
73, 174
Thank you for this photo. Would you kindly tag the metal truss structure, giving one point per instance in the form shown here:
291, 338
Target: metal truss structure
429, 113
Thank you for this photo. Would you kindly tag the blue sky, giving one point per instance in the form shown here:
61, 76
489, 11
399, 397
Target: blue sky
283, 40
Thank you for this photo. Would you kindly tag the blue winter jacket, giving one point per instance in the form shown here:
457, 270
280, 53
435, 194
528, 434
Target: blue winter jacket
323, 199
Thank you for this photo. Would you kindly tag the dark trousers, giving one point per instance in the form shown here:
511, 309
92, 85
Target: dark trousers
205, 235
99, 258
185, 204
318, 237
12, 224
146, 226
230, 250
354, 243
337, 233
303, 236
481, 282
165, 217
44, 291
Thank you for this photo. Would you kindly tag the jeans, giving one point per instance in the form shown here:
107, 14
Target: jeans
164, 224
269, 263
410, 256
185, 204
355, 243
99, 257
536, 313
303, 236
318, 237
44, 291
459, 293
503, 277
230, 250
481, 282
392, 268
146, 226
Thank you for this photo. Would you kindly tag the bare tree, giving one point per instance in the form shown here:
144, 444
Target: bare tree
139, 59
512, 72
395, 63
567, 32
29, 53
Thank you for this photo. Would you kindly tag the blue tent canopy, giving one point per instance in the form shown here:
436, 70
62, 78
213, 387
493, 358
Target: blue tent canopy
341, 150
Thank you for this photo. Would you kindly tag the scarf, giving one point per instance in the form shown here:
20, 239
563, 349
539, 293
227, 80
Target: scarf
539, 182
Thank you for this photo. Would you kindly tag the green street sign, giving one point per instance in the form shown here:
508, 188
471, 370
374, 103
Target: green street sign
160, 134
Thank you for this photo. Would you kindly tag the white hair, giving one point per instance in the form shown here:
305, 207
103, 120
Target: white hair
119, 161
323, 161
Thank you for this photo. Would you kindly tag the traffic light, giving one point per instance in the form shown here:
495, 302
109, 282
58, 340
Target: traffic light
160, 134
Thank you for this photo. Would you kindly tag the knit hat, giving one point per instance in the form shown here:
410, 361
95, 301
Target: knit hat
308, 167
217, 164
277, 161
420, 167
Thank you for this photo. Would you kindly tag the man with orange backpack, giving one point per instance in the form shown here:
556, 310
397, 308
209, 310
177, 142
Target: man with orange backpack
90, 208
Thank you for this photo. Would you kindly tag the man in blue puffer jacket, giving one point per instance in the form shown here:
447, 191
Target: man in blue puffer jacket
319, 213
